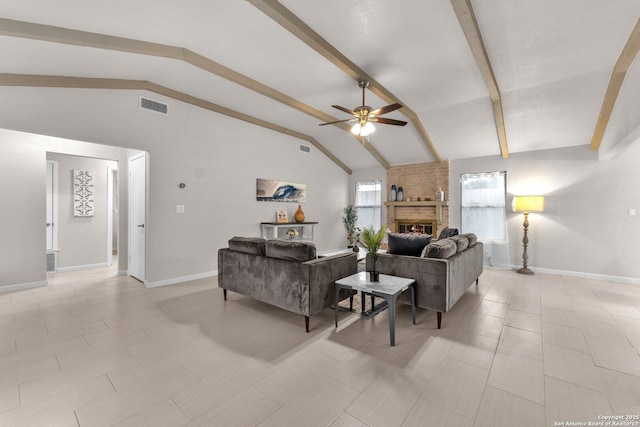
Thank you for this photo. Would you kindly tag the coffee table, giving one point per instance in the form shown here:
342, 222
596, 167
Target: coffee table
389, 288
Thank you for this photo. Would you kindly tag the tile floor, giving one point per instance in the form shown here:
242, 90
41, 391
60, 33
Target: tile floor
94, 349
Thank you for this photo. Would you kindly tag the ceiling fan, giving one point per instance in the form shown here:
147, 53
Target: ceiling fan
365, 115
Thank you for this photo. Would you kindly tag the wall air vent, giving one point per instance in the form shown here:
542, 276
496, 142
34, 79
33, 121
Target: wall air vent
305, 149
150, 104
52, 262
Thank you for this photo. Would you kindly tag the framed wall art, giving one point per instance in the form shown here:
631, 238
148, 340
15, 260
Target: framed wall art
271, 190
281, 217
83, 192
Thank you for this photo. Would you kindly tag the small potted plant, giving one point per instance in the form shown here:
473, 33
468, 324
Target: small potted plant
349, 220
292, 233
371, 241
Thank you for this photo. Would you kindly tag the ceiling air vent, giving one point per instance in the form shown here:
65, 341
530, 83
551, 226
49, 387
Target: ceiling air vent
150, 104
305, 149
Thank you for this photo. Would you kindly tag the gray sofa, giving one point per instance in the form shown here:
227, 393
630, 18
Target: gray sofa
283, 273
443, 272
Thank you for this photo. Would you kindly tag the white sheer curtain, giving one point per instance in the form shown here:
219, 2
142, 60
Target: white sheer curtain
368, 200
483, 201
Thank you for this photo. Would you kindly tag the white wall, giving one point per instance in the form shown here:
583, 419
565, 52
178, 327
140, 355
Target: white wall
218, 158
22, 211
82, 241
585, 227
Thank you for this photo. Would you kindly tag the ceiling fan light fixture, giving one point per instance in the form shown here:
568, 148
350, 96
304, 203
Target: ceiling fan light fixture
361, 130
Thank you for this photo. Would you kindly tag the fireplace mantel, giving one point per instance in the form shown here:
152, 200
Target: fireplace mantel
426, 204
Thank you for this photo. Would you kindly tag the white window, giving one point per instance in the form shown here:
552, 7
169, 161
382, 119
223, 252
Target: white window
368, 201
483, 201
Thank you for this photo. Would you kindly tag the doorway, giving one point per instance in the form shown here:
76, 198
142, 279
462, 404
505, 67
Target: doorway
80, 217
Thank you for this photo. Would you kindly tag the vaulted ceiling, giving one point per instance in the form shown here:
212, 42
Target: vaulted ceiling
475, 78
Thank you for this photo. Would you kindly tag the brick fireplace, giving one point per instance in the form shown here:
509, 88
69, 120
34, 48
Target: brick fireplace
419, 181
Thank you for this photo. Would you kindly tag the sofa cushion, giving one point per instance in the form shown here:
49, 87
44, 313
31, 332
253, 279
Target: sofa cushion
290, 250
461, 241
407, 243
448, 232
248, 245
442, 249
472, 238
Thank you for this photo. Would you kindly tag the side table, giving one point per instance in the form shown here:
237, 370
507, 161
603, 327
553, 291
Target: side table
389, 288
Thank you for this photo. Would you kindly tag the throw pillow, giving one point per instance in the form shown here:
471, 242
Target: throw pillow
407, 243
442, 249
472, 238
292, 251
248, 245
448, 232
461, 241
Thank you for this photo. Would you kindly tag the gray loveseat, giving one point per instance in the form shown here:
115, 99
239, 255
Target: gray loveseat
443, 272
283, 273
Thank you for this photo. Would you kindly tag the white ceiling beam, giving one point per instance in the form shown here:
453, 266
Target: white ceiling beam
27, 80
469, 24
61, 35
626, 58
298, 28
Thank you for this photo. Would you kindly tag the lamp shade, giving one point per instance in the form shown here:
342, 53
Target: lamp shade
528, 203
365, 130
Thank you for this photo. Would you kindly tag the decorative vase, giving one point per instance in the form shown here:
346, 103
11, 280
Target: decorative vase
299, 216
440, 195
400, 194
392, 193
374, 276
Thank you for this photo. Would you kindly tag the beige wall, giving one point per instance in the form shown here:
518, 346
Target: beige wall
22, 211
218, 158
585, 227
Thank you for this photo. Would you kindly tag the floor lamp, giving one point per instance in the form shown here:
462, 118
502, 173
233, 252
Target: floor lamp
527, 204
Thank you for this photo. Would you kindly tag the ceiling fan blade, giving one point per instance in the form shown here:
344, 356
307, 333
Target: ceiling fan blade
386, 121
338, 121
346, 110
386, 109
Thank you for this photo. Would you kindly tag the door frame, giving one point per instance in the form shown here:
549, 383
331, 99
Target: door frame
111, 173
54, 205
131, 223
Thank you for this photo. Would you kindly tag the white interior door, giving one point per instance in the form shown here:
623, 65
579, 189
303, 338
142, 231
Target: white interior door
52, 198
137, 216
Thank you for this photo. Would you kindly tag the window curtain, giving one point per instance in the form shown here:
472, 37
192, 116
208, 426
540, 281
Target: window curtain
368, 200
483, 202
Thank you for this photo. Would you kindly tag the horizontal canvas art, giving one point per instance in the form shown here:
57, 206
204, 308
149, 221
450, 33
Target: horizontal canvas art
83, 193
271, 190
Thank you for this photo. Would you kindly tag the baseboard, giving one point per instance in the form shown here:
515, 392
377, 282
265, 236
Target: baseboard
180, 279
619, 279
23, 286
123, 272
82, 267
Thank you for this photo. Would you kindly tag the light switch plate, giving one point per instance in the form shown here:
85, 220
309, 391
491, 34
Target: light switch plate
632, 212
179, 209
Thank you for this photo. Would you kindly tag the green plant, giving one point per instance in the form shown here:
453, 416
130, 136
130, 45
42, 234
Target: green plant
371, 241
349, 220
